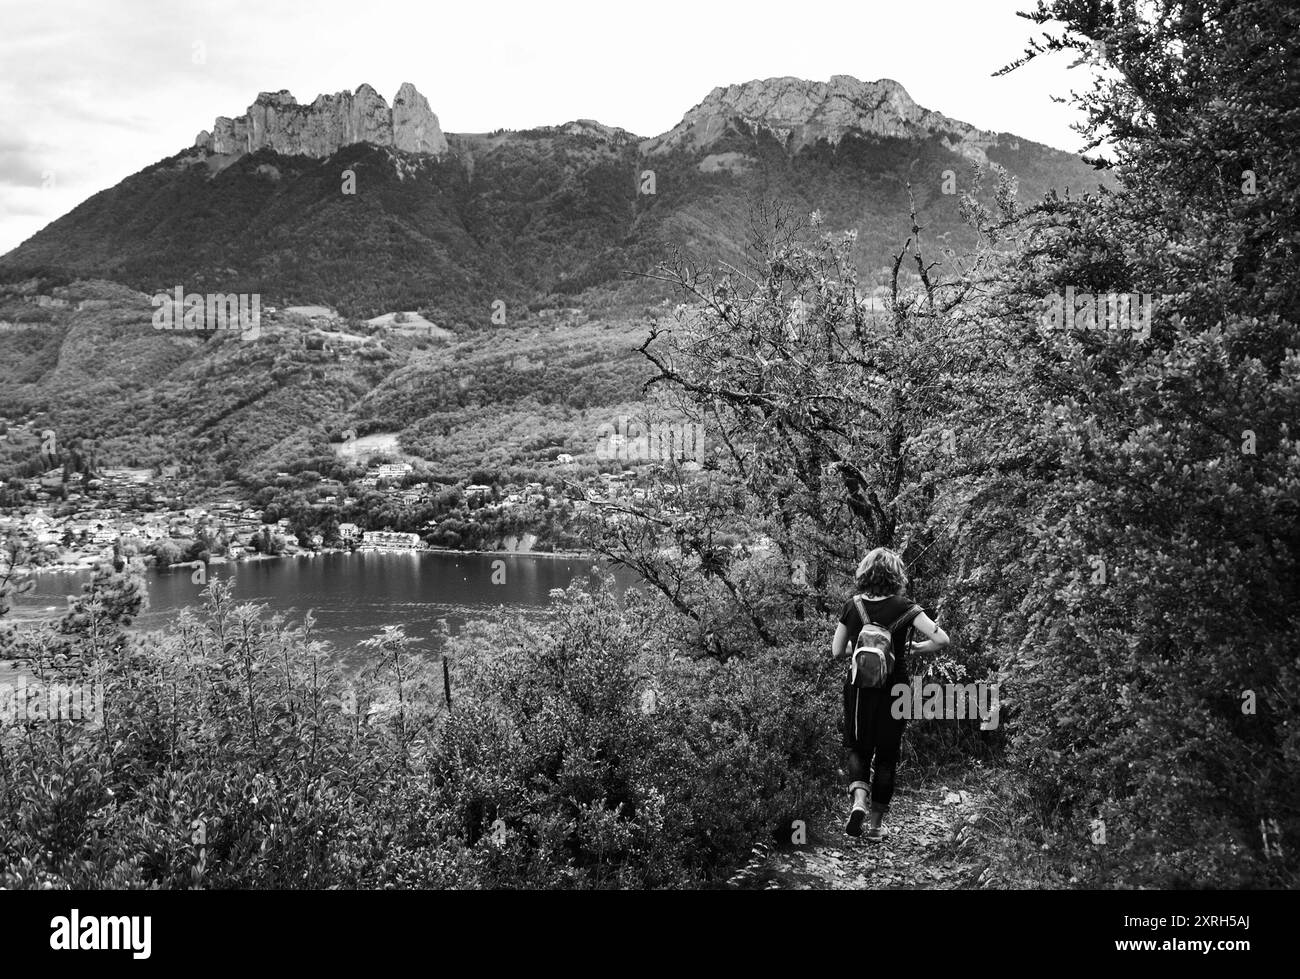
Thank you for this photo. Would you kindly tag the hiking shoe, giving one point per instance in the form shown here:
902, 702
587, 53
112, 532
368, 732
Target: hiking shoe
876, 829
856, 819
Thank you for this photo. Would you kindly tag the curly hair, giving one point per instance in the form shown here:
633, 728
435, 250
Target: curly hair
881, 572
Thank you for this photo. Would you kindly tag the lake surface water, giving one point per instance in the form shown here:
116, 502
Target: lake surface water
351, 596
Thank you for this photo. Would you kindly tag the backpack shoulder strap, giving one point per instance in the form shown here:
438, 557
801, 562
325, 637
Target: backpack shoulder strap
906, 618
862, 609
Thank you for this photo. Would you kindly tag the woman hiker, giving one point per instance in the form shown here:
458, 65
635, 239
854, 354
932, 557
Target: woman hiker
870, 729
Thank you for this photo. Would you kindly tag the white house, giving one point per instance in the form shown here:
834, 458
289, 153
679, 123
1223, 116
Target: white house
389, 540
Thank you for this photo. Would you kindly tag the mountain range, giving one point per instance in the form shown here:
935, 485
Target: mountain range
450, 222
369, 208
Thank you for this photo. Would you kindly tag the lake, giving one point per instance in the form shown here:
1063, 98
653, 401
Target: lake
352, 596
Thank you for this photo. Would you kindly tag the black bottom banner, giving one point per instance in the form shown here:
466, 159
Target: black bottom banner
148, 929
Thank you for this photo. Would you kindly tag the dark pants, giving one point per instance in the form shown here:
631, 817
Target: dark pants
882, 786
872, 734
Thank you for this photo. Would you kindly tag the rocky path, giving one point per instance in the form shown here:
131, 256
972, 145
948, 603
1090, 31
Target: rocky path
925, 849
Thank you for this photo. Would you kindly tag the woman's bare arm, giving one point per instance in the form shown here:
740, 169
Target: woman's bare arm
936, 638
840, 641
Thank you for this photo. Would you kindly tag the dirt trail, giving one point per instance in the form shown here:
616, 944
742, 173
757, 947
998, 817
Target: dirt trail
923, 850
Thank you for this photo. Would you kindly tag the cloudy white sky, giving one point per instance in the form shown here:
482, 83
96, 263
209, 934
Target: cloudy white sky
92, 91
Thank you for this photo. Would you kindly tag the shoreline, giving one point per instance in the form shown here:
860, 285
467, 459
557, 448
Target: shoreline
571, 555
219, 561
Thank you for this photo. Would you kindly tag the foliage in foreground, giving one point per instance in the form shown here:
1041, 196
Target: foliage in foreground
582, 750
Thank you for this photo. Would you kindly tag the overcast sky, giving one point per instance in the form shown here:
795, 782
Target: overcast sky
92, 91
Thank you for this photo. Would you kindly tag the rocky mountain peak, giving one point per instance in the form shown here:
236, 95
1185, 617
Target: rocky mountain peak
276, 120
280, 99
800, 112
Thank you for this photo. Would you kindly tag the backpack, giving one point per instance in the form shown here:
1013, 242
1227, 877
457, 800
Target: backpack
871, 661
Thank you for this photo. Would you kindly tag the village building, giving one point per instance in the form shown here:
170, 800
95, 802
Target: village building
389, 540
